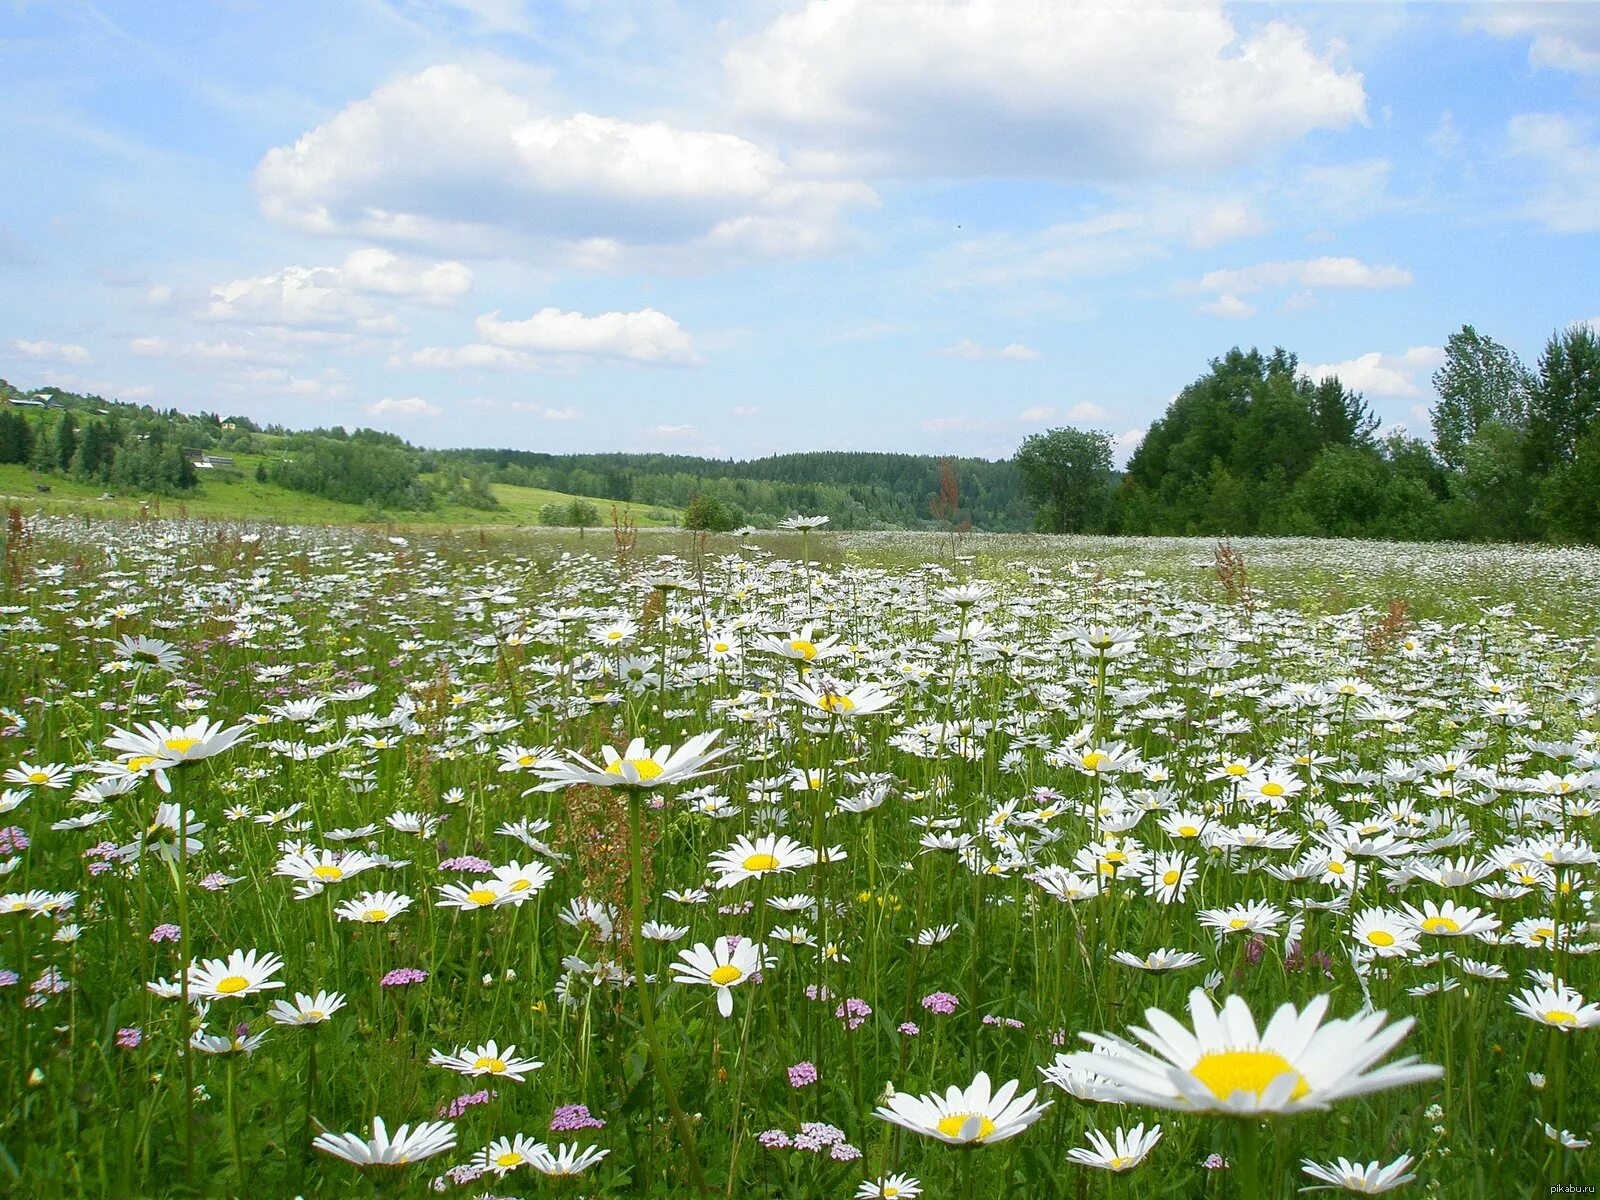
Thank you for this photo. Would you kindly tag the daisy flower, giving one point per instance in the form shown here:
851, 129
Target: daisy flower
1159, 960
50, 775
242, 973
1128, 1151
720, 967
1226, 1066
1367, 1180
1558, 1006
968, 1116
747, 859
567, 1158
1450, 919
373, 908
889, 1187
487, 1059
860, 701
306, 1010
381, 1150
504, 1155
635, 767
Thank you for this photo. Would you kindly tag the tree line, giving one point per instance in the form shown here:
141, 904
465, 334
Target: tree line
1255, 446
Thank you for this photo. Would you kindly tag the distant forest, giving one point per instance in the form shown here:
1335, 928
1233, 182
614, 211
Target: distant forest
1251, 446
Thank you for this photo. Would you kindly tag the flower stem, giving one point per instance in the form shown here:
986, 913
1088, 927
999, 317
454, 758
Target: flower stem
646, 1001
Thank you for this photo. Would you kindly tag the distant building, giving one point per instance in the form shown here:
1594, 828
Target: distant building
30, 402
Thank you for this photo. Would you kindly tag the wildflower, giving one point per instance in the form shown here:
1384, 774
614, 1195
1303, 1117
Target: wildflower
406, 1146
965, 1116
635, 767
722, 967
889, 1187
401, 976
567, 1159
306, 1010
1129, 1150
1558, 1006
487, 1059
802, 1074
1226, 1066
569, 1118
747, 859
1368, 1180
940, 1003
243, 973
129, 1037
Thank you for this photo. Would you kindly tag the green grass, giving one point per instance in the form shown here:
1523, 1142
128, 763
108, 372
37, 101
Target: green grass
230, 496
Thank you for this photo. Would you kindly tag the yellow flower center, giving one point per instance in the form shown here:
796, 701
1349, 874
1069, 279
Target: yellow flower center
725, 975
525, 760
614, 636
1381, 937
521, 885
1092, 760
803, 650
1556, 1016
761, 862
481, 896
1116, 1164
835, 704
1236, 769
1336, 867
1440, 925
181, 745
722, 647
1544, 933
1272, 789
1188, 831
315, 1014
951, 1126
139, 763
1228, 1071
1170, 878
1238, 923
509, 1159
328, 872
376, 915
493, 1065
232, 984
38, 776
648, 768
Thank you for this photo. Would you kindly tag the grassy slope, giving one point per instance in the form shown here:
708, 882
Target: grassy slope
227, 497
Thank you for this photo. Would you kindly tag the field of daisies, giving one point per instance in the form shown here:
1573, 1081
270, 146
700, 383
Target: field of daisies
338, 863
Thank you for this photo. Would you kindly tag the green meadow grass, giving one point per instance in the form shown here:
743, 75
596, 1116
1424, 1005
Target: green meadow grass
982, 847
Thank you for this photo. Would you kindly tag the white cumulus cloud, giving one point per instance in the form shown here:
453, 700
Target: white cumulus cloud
1072, 89
409, 406
444, 157
66, 352
1564, 37
974, 352
1325, 272
1379, 374
1230, 306
1567, 161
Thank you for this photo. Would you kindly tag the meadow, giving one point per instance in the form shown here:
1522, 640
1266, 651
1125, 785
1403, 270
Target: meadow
410, 862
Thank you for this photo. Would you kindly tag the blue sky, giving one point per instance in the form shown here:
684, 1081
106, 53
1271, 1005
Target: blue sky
749, 228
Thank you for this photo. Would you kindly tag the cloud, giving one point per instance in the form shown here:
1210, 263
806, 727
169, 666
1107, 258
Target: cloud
410, 406
279, 381
1042, 412
672, 430
1086, 411
445, 158
1100, 243
968, 349
338, 297
1230, 306
1378, 374
646, 336
1563, 37
1124, 444
222, 351
1568, 164
954, 424
66, 352
1323, 272
1076, 90
744, 410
